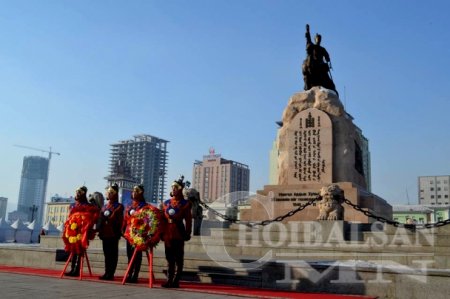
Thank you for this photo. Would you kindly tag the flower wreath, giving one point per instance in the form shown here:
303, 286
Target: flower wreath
143, 228
78, 229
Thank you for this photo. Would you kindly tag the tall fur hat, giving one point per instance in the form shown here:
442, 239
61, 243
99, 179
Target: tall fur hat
82, 188
179, 182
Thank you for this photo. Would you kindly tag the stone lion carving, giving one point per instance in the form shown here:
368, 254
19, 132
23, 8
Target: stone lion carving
330, 207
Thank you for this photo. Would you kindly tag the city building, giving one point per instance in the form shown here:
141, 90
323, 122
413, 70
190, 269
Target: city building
3, 206
146, 156
434, 190
215, 176
32, 188
121, 175
58, 210
420, 214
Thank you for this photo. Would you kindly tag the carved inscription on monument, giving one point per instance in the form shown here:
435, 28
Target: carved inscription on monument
292, 198
310, 147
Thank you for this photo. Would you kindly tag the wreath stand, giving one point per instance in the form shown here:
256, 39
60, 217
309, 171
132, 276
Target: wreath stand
71, 256
149, 253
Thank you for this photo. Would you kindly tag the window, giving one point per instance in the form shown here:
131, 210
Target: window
439, 196
431, 189
432, 196
439, 189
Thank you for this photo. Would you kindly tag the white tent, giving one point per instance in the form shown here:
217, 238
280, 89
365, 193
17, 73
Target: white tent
22, 234
31, 225
51, 229
60, 227
16, 224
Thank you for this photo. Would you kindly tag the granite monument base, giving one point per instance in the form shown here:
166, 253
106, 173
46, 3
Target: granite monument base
278, 200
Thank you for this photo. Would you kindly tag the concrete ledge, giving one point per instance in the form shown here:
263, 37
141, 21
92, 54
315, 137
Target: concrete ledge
386, 263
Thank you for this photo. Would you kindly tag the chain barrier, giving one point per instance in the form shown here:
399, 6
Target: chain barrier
411, 227
250, 224
261, 223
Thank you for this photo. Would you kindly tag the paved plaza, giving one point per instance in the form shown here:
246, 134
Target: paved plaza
14, 286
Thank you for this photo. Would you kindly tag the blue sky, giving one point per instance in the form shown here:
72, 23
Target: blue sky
81, 75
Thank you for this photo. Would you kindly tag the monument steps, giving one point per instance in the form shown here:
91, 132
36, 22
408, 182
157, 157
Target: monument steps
207, 260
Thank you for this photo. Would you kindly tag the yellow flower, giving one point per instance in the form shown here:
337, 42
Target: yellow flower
79, 237
72, 240
73, 226
137, 241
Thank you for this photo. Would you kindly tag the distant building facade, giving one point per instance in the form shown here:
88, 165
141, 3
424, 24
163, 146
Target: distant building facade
32, 188
146, 157
121, 175
58, 210
420, 214
215, 176
434, 190
3, 206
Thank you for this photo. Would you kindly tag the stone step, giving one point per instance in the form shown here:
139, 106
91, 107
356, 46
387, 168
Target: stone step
196, 268
212, 249
319, 270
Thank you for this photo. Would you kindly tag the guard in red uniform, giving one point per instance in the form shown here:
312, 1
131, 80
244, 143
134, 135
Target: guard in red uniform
81, 205
138, 202
110, 231
177, 212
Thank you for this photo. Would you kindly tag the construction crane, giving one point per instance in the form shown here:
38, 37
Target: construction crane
50, 153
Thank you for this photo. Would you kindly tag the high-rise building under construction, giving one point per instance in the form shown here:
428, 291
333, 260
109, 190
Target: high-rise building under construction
146, 158
32, 188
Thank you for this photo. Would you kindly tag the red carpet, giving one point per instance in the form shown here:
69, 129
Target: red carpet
190, 286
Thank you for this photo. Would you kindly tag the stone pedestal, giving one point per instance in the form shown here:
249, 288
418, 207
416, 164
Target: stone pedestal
318, 145
277, 200
318, 142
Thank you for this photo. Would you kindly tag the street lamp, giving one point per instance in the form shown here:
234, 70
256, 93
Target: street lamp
33, 209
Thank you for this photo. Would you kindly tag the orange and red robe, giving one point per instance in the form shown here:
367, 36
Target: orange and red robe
175, 212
